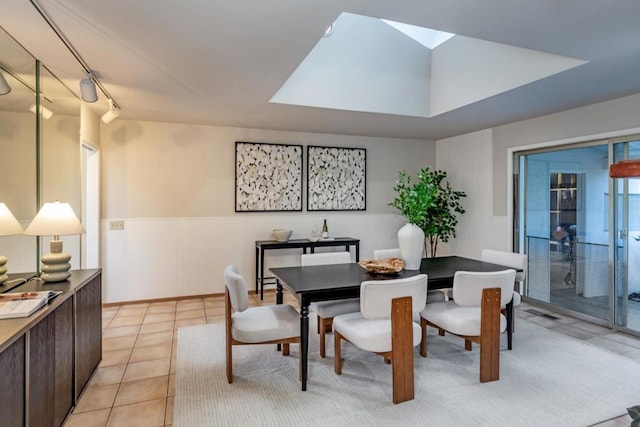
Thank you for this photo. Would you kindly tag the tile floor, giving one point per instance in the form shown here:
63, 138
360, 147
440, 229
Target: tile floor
134, 384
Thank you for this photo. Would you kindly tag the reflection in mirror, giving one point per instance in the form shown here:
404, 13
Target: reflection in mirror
18, 141
60, 175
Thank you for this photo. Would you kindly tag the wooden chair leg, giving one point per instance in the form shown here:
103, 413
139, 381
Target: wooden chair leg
423, 342
228, 336
441, 332
323, 332
285, 349
468, 345
402, 349
229, 364
337, 352
490, 336
319, 320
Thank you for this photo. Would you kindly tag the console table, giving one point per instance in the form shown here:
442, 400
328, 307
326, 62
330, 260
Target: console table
304, 244
47, 359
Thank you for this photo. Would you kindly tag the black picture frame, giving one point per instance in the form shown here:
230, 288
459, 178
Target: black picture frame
268, 177
336, 178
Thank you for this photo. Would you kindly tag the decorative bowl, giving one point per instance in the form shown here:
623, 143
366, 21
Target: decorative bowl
281, 235
383, 266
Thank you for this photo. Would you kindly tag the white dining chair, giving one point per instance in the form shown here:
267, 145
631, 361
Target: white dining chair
518, 262
474, 314
384, 325
432, 296
244, 325
327, 310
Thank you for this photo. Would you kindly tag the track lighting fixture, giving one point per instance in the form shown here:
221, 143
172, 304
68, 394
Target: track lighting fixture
88, 89
4, 86
112, 114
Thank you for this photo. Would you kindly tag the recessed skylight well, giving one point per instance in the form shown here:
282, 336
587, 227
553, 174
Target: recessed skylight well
425, 36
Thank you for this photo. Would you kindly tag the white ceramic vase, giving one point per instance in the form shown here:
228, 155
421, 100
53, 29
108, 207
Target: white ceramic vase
411, 242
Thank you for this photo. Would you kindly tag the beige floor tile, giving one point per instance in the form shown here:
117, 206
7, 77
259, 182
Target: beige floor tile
214, 311
168, 415
148, 414
172, 369
191, 322
153, 352
163, 303
129, 311
172, 385
159, 317
152, 328
155, 309
214, 302
126, 321
118, 343
154, 339
88, 419
108, 375
142, 390
187, 305
190, 314
148, 369
115, 357
137, 305
97, 397
215, 319
121, 331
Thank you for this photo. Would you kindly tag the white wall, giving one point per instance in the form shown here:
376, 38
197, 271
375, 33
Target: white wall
173, 185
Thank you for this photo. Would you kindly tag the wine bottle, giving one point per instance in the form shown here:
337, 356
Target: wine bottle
325, 230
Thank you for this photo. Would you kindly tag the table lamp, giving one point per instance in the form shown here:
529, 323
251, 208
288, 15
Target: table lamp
55, 219
9, 226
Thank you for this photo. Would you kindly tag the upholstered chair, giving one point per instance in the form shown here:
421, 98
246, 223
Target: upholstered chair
272, 324
474, 314
519, 263
384, 325
432, 296
327, 310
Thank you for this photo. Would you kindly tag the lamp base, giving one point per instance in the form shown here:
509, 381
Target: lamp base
55, 267
3, 269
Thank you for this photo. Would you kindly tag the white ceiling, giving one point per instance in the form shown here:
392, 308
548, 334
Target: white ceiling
219, 62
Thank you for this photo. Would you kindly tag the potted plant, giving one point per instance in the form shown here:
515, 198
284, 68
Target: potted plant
429, 204
440, 221
413, 201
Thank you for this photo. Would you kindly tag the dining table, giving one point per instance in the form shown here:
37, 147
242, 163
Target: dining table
340, 281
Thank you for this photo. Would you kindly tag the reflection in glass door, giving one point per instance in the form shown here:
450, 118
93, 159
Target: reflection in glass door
626, 289
566, 231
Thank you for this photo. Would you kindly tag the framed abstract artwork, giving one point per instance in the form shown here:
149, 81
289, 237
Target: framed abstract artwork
336, 179
268, 177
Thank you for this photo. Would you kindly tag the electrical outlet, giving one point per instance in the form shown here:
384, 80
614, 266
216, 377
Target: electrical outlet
116, 225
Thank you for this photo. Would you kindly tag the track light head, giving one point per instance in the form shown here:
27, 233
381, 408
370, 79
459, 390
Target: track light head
88, 89
112, 114
4, 86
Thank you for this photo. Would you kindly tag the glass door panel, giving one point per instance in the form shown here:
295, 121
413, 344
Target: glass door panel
626, 204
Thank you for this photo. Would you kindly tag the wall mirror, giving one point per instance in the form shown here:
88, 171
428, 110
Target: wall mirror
40, 152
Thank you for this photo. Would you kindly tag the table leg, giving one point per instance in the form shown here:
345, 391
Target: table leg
257, 269
357, 252
509, 308
279, 299
262, 274
304, 342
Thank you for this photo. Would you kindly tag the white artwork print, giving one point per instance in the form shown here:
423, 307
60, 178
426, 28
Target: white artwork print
268, 177
336, 178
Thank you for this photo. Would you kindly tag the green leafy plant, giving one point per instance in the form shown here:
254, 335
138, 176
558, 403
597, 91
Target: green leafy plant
441, 219
634, 413
431, 204
414, 199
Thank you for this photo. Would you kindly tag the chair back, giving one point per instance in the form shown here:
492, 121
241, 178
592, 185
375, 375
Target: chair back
237, 288
325, 258
386, 253
508, 259
468, 286
376, 295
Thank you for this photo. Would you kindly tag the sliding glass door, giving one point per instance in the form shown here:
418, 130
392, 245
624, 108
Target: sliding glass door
564, 205
626, 238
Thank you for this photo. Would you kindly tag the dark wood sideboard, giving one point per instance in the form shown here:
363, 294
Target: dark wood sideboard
47, 359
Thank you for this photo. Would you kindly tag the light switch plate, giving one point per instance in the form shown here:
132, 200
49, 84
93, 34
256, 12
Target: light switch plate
116, 225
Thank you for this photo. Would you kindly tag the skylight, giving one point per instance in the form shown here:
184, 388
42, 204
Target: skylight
425, 36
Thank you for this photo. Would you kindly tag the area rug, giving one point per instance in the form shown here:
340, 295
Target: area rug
548, 379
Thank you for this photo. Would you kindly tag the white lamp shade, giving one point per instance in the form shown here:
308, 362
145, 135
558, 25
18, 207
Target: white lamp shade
9, 225
55, 219
88, 90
